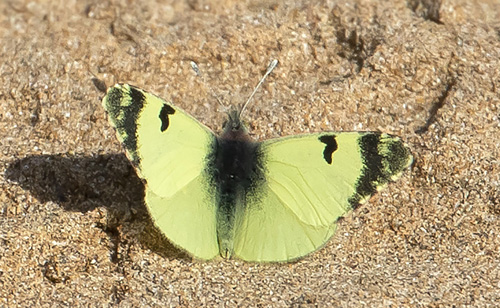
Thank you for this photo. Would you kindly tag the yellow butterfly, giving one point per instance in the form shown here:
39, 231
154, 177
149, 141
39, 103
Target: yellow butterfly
275, 200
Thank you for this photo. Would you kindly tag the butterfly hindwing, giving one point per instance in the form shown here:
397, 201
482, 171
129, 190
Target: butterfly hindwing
168, 149
311, 181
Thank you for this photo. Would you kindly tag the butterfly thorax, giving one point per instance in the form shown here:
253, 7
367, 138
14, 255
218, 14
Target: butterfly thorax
236, 170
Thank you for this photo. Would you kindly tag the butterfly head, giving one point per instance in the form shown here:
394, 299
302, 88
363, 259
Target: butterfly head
233, 128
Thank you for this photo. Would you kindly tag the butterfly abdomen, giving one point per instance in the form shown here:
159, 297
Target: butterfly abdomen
235, 170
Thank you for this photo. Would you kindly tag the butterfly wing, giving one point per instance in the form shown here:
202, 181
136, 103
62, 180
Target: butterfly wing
311, 181
169, 149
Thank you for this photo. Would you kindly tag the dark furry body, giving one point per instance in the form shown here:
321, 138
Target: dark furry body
236, 170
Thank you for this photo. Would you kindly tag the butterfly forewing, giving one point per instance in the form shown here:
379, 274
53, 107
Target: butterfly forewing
169, 149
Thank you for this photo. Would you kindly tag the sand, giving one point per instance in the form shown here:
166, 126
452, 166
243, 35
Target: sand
75, 232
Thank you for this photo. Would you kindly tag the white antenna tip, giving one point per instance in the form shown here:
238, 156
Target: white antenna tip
272, 65
270, 68
195, 68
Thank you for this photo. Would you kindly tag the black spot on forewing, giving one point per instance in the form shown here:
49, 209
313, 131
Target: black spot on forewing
384, 158
165, 111
123, 108
331, 146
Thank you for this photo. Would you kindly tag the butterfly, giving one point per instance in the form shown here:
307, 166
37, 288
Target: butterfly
271, 201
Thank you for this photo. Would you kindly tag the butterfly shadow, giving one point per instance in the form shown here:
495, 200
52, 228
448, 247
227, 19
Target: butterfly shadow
84, 183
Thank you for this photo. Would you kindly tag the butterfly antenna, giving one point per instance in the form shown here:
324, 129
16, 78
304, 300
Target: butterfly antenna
196, 69
270, 68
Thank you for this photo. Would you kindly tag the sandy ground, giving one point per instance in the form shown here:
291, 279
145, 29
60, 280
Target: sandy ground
74, 230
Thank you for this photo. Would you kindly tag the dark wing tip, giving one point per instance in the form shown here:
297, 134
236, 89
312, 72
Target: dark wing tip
385, 157
124, 104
